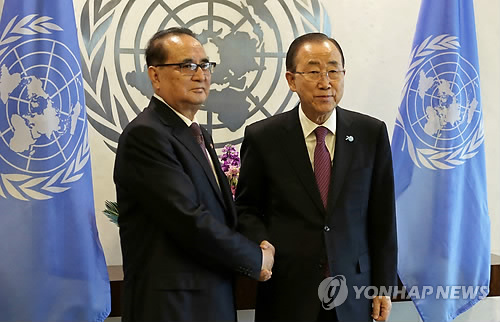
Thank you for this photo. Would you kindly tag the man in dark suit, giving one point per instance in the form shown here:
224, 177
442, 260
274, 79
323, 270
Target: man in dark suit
317, 183
177, 217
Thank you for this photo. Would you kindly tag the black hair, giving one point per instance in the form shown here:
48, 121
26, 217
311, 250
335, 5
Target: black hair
156, 53
298, 42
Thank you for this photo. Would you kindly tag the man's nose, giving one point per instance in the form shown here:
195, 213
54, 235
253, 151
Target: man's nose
324, 81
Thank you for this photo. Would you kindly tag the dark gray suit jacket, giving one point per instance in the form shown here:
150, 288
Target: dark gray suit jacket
278, 200
177, 227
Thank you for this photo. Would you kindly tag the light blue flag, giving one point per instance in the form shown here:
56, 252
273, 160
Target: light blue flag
439, 165
52, 266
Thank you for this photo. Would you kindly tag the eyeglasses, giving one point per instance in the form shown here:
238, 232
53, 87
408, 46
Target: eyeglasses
189, 69
314, 76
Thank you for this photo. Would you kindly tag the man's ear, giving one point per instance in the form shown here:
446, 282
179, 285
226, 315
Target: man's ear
154, 77
290, 78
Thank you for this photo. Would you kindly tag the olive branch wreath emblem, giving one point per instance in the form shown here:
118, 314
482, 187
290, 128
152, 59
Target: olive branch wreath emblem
18, 185
109, 118
431, 158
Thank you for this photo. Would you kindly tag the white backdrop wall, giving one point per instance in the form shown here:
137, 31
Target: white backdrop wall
376, 37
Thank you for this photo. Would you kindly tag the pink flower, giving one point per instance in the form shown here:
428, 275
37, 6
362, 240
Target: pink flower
230, 164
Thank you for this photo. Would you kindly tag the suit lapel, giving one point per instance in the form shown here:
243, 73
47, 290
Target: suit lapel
182, 132
225, 190
295, 147
342, 156
186, 138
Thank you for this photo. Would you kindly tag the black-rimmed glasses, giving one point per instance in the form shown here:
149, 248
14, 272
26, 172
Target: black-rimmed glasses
189, 69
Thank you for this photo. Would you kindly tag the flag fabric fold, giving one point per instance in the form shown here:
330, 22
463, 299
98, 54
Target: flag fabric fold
439, 164
52, 266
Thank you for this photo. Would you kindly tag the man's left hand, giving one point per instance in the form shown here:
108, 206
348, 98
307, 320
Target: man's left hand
381, 308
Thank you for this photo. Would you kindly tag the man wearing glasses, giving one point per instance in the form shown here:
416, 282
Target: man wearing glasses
317, 183
177, 218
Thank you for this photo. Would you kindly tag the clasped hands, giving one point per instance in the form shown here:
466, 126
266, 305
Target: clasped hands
268, 252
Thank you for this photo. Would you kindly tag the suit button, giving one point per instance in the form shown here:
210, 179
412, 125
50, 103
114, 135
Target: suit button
326, 228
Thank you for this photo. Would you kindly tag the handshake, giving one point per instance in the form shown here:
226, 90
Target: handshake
267, 260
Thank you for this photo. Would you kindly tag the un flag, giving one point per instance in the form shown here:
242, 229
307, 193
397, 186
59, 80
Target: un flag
440, 178
52, 267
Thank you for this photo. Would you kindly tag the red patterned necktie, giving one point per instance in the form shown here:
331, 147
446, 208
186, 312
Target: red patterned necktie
322, 163
196, 130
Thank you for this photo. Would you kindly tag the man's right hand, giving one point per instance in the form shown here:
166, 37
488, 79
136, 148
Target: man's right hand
268, 252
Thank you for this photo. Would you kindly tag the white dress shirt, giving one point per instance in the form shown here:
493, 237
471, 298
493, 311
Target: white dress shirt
308, 128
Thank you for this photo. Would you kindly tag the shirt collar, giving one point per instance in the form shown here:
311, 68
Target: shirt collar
309, 126
184, 118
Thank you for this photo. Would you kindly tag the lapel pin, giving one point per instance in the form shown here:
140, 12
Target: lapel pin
211, 145
349, 138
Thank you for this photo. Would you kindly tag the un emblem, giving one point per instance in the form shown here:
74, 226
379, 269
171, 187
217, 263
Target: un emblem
442, 118
246, 39
43, 144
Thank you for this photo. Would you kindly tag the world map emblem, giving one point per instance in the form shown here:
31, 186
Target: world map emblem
247, 39
441, 114
43, 143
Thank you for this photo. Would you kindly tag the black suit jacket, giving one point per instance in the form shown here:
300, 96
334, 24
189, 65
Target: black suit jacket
278, 200
177, 227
